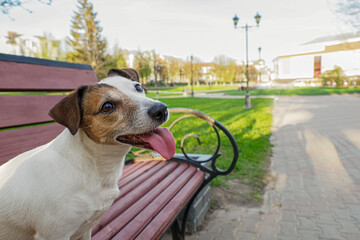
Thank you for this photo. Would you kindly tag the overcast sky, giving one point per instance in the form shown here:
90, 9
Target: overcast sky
180, 28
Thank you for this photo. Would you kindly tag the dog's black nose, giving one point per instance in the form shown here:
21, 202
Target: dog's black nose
158, 112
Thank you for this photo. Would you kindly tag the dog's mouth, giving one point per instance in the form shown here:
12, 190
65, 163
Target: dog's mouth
160, 140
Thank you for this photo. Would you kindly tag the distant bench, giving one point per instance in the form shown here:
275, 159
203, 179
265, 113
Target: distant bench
153, 193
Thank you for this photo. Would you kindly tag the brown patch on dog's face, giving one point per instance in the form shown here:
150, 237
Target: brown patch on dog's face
106, 112
111, 112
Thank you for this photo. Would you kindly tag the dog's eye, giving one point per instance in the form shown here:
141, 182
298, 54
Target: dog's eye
139, 88
107, 107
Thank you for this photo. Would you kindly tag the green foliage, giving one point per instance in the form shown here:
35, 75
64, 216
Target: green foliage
336, 75
116, 60
86, 41
49, 49
119, 58
250, 127
121, 61
191, 69
224, 69
174, 65
163, 70
142, 63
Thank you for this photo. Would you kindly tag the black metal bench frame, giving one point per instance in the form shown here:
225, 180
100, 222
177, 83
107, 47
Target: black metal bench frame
178, 228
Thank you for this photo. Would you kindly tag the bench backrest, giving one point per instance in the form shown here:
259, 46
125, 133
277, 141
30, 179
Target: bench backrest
29, 88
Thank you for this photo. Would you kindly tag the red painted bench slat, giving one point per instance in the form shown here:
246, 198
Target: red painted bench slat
140, 187
23, 110
143, 209
142, 219
130, 168
22, 76
20, 140
157, 227
135, 170
140, 177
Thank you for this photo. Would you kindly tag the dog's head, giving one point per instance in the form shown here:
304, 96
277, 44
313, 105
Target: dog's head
116, 111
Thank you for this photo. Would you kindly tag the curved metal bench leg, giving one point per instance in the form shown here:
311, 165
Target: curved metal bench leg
175, 231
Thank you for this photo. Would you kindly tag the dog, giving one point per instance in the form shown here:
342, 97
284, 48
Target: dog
60, 190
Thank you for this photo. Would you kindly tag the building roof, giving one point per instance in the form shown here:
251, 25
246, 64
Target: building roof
331, 48
339, 37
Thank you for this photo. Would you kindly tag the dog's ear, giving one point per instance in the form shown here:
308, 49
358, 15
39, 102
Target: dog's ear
129, 73
67, 112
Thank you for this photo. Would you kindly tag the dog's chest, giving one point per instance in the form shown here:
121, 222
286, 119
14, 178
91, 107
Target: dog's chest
102, 200
96, 207
109, 194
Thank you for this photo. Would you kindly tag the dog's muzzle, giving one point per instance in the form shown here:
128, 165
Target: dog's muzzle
158, 112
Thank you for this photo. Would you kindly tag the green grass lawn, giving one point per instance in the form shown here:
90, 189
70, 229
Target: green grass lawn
250, 127
296, 91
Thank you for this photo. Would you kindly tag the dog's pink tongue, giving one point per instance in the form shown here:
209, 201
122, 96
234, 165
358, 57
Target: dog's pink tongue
161, 140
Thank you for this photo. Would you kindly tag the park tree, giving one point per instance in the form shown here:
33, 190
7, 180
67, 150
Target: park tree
180, 71
142, 63
253, 72
326, 77
88, 46
224, 69
197, 65
159, 67
173, 67
240, 73
117, 59
336, 75
230, 71
49, 48
192, 69
154, 65
120, 58
187, 71
219, 68
163, 70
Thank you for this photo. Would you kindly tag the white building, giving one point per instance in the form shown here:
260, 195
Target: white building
328, 52
32, 46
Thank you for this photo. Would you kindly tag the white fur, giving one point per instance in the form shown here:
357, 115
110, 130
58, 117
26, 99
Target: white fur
61, 189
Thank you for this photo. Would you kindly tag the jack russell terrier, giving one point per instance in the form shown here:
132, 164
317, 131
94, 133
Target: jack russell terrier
60, 190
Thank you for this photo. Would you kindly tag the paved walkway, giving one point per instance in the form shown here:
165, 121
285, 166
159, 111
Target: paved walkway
315, 168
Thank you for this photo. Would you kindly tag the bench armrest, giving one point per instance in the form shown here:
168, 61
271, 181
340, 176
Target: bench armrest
214, 170
198, 160
204, 162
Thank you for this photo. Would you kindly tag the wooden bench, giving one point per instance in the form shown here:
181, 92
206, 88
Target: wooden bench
152, 192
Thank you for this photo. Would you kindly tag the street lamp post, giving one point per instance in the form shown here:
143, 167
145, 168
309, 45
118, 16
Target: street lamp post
259, 64
181, 74
192, 79
259, 49
246, 27
157, 72
156, 84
